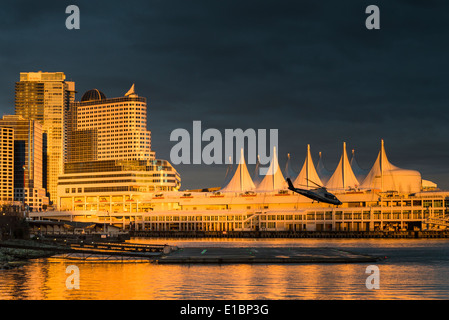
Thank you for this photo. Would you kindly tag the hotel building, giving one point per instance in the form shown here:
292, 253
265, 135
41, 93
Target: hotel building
6, 165
45, 97
110, 164
28, 161
107, 129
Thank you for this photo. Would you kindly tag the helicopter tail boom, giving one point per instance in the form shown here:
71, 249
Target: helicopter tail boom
290, 184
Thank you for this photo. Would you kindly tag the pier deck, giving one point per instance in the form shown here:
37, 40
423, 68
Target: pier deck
71, 249
218, 255
166, 254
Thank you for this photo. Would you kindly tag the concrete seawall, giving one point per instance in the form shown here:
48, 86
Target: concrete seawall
291, 234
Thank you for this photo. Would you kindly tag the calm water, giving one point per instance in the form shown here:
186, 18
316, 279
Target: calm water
414, 269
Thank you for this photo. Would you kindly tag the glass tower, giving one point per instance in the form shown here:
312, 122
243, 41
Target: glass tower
45, 97
28, 162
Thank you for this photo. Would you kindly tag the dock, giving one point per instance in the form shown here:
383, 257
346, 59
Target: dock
263, 255
80, 250
167, 254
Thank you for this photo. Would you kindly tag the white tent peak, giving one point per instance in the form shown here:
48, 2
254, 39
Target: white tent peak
257, 178
229, 171
273, 179
323, 173
308, 177
289, 172
343, 176
359, 173
241, 180
384, 176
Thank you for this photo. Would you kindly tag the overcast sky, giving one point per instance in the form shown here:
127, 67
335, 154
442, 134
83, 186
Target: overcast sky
310, 69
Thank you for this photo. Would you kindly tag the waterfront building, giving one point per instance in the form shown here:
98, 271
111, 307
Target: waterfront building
392, 199
45, 97
114, 185
6, 165
110, 164
28, 161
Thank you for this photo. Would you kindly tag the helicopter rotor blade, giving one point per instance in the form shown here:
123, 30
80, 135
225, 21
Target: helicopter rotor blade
307, 186
315, 183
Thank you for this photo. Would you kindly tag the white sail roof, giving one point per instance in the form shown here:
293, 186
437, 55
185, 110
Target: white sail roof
241, 181
360, 173
229, 172
384, 176
289, 172
323, 173
274, 179
308, 177
343, 177
257, 177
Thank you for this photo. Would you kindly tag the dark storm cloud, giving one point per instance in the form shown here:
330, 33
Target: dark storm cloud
310, 69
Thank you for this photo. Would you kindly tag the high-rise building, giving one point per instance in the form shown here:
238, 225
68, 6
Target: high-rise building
108, 129
6, 165
45, 97
109, 155
28, 161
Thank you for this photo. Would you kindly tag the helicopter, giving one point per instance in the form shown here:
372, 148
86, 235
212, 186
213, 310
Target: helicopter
319, 194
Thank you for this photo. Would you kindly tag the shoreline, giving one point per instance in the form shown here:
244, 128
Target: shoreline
11, 257
431, 234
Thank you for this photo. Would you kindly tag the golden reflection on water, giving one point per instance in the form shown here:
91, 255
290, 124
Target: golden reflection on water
43, 279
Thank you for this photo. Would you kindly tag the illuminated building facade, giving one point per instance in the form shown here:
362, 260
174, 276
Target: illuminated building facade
6, 165
108, 129
28, 161
109, 157
45, 97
